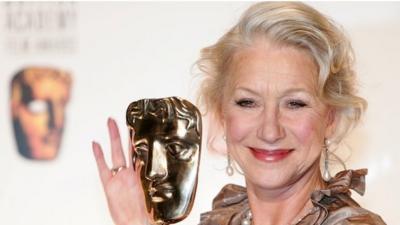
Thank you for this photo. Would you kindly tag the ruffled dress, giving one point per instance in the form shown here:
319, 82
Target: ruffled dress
331, 206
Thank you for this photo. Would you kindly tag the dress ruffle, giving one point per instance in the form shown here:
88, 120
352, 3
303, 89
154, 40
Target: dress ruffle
332, 205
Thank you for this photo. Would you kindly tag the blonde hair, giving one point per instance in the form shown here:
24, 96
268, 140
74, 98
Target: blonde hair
292, 24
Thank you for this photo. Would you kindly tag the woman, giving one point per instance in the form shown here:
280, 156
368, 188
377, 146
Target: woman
287, 82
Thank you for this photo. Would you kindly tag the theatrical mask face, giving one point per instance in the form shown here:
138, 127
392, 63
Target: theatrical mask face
38, 100
166, 153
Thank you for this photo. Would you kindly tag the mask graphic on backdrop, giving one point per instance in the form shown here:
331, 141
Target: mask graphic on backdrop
39, 96
165, 145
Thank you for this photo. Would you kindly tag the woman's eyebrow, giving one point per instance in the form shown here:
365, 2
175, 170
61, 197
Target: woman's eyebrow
287, 91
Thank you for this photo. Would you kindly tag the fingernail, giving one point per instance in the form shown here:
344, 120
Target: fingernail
109, 120
94, 148
113, 128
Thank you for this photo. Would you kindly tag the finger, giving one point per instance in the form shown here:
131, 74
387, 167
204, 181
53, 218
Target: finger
104, 171
117, 154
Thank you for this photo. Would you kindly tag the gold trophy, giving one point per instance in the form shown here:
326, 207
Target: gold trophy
165, 148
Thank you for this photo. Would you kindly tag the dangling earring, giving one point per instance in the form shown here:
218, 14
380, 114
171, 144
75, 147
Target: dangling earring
325, 168
229, 168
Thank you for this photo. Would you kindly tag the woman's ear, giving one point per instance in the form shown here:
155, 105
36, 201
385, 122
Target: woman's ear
331, 122
215, 136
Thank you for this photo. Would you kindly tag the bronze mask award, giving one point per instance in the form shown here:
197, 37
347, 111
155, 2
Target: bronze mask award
165, 148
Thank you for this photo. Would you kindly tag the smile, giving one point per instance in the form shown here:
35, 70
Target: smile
270, 155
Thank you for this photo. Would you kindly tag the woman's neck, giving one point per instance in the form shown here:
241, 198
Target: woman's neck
285, 205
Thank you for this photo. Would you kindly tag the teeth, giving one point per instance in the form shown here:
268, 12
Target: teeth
278, 150
273, 151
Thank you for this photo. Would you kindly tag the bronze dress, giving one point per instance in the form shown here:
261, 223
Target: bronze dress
332, 206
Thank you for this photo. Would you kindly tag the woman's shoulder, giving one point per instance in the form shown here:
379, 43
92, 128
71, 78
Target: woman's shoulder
353, 216
337, 205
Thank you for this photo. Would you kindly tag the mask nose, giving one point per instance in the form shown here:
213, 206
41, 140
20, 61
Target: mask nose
157, 167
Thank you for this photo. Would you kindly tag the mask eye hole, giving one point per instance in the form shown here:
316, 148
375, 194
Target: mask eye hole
180, 150
141, 150
37, 106
175, 148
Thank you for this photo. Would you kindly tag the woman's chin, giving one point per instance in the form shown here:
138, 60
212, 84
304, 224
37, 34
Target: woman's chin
269, 179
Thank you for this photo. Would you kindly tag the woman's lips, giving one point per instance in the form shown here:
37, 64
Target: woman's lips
270, 155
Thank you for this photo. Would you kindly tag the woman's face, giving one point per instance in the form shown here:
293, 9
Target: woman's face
274, 121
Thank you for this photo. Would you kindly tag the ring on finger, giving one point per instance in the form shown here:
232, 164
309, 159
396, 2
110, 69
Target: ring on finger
116, 170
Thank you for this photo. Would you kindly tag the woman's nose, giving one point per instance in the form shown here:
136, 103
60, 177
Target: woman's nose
157, 166
270, 129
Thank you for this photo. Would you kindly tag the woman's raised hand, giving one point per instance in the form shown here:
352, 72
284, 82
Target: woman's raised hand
120, 182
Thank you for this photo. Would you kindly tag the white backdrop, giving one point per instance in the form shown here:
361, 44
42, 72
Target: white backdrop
126, 51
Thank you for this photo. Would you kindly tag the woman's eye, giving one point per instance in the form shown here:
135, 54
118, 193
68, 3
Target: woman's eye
295, 104
247, 103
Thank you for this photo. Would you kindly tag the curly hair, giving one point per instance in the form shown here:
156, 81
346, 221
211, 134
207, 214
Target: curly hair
288, 24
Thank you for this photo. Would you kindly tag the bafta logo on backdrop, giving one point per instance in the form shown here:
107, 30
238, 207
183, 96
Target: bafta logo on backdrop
39, 27
39, 96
